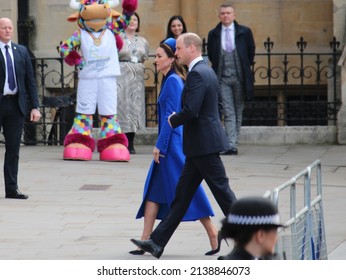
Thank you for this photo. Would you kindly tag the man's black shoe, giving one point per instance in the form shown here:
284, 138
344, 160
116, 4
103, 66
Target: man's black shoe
17, 195
149, 246
231, 152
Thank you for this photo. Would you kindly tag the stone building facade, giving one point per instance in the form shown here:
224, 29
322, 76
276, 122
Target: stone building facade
284, 21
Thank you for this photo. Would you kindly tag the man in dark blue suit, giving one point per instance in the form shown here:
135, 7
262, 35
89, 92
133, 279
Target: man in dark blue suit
17, 87
203, 139
231, 51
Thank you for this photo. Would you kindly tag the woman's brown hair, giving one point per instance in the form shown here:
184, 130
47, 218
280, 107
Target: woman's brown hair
176, 66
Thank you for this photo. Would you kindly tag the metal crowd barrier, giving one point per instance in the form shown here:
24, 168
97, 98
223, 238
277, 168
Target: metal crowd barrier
304, 237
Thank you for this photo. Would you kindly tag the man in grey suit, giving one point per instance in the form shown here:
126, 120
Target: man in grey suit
203, 139
17, 87
231, 51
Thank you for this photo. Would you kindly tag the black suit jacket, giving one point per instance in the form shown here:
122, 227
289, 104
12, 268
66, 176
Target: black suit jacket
202, 132
26, 83
245, 46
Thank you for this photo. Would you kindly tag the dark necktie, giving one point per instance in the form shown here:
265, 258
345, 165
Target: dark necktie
10, 74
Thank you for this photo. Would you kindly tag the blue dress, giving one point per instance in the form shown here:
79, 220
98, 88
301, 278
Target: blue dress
162, 178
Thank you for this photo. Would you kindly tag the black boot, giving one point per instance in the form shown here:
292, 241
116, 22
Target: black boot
130, 137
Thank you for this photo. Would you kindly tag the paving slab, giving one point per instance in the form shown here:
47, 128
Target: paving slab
86, 210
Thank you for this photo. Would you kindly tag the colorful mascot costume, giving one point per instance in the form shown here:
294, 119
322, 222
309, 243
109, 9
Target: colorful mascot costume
98, 41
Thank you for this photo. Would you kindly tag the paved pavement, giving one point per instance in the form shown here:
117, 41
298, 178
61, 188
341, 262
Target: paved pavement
85, 210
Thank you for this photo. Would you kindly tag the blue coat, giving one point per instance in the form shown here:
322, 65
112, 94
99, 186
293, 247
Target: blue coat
162, 178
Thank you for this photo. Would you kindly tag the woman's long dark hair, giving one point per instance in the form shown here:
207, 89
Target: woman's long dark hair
169, 31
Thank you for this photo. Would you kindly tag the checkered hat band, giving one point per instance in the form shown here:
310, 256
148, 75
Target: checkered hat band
253, 220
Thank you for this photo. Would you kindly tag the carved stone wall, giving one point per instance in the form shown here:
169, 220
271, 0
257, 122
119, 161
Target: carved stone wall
285, 21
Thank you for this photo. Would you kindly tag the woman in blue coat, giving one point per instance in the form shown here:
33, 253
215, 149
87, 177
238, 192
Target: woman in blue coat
164, 172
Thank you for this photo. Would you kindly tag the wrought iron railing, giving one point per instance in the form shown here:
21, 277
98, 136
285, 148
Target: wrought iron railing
295, 88
56, 84
301, 88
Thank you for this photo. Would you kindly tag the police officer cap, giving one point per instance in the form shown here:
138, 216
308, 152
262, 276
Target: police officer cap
253, 212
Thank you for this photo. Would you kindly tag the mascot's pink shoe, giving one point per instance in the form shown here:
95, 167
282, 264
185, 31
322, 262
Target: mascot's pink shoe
78, 147
115, 153
72, 152
114, 148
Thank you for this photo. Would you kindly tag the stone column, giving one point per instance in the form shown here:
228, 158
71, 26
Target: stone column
9, 9
341, 125
189, 12
339, 19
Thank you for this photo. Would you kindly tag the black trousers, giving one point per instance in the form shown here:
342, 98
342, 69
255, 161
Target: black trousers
11, 124
211, 169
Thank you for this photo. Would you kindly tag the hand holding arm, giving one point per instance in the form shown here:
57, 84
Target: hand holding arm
169, 117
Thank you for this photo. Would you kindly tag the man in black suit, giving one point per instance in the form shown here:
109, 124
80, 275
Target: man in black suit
203, 139
17, 86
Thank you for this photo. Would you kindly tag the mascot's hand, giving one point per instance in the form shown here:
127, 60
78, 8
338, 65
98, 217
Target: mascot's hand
74, 58
130, 6
119, 42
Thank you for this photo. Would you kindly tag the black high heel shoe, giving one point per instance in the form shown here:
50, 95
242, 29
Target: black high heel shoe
219, 239
137, 252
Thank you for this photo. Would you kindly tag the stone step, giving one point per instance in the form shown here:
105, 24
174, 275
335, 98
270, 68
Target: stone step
261, 135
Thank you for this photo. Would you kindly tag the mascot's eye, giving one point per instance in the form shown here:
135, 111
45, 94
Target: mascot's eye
87, 3
101, 2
